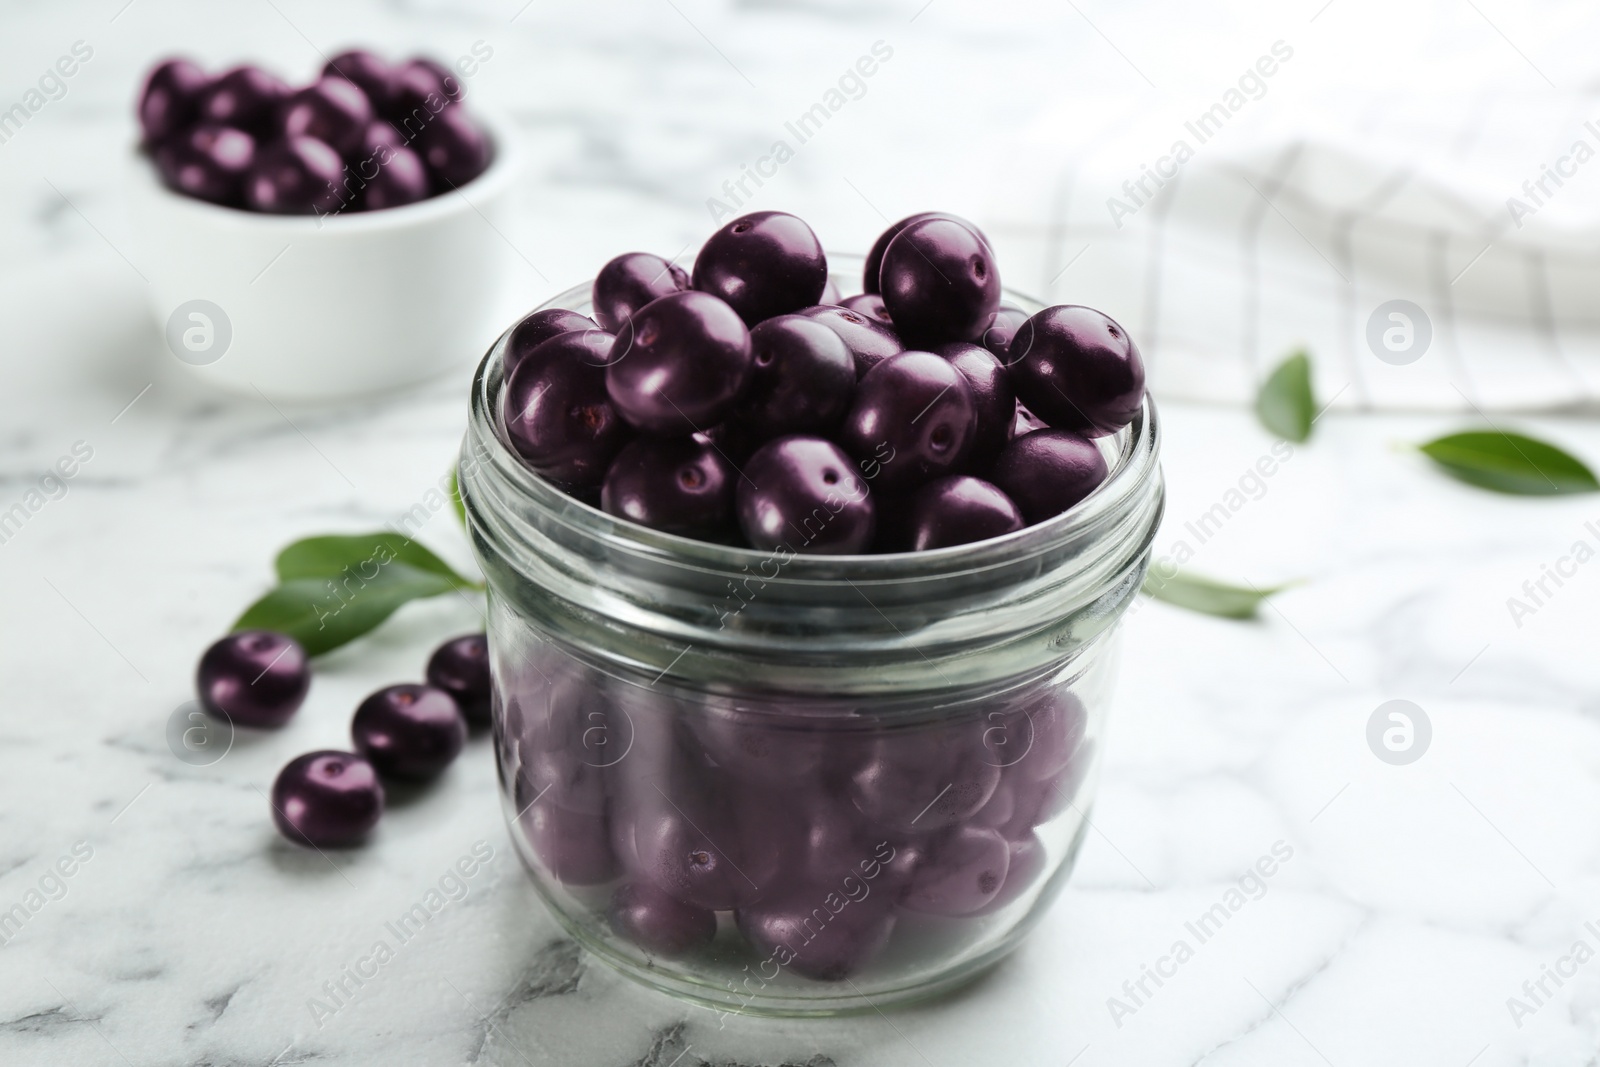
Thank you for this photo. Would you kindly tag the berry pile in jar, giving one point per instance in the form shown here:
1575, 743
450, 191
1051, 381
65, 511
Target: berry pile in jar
333, 798
746, 403
365, 135
786, 834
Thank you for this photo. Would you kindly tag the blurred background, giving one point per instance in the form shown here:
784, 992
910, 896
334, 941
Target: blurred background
1359, 154
1232, 181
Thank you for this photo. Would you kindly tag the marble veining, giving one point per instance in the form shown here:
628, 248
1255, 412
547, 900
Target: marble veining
1425, 909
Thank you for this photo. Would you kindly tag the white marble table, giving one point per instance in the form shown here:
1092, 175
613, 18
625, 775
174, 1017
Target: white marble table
1415, 900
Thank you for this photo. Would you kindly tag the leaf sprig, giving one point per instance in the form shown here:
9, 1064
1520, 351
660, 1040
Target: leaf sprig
334, 588
1510, 463
1502, 462
1207, 595
1285, 403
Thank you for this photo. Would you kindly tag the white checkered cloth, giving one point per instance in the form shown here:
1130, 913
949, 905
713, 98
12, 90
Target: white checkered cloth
1296, 224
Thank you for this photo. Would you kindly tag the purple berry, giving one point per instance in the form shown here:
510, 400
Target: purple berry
802, 931
1077, 369
327, 799
869, 305
575, 719
1048, 471
1037, 801
401, 180
962, 872
247, 98
803, 493
378, 140
539, 327
688, 836
1003, 325
679, 485
827, 843
657, 923
679, 364
911, 421
423, 88
870, 342
392, 174
409, 731
994, 405
374, 77
763, 264
924, 779
558, 414
894, 864
574, 846
299, 176
940, 283
170, 99
207, 162
415, 98
629, 282
253, 678
874, 265
460, 667
567, 745
756, 744
958, 510
1000, 810
1037, 740
332, 110
802, 377
453, 89
1023, 868
454, 148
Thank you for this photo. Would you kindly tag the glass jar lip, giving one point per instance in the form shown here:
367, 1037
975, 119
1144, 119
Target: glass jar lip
1133, 461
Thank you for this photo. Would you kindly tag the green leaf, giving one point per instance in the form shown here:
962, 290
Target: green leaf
334, 588
1285, 404
1510, 463
1208, 597
359, 556
322, 614
456, 503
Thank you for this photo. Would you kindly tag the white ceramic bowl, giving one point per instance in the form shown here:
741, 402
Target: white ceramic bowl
302, 308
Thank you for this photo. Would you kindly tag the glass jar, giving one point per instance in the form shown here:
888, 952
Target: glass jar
779, 783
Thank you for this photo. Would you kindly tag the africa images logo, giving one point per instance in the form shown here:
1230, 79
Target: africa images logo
199, 332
